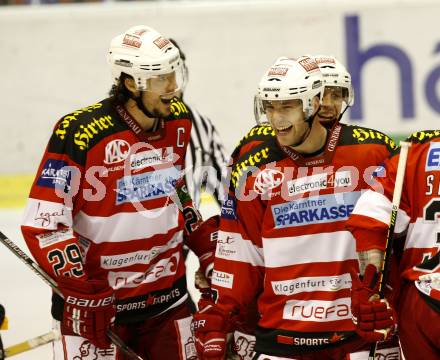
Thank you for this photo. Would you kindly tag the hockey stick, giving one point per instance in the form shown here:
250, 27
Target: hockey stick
31, 344
2, 319
397, 193
48, 280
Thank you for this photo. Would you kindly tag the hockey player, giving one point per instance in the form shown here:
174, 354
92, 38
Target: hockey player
282, 237
103, 217
418, 305
338, 91
338, 96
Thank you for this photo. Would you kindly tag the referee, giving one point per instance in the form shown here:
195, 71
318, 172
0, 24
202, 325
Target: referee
205, 151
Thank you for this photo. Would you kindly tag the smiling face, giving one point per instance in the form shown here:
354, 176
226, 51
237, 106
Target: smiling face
287, 119
161, 90
331, 106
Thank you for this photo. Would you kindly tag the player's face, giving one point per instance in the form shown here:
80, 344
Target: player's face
287, 119
331, 106
161, 90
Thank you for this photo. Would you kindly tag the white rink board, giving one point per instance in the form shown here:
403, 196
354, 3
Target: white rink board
53, 59
27, 298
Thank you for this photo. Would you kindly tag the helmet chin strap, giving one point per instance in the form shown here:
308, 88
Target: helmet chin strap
309, 122
141, 106
342, 114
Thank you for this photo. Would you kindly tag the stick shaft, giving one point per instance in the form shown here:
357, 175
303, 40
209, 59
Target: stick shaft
31, 343
48, 280
397, 193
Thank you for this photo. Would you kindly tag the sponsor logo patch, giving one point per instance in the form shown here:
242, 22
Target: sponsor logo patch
88, 351
379, 171
325, 60
54, 174
131, 40
50, 238
132, 306
138, 257
147, 186
268, 179
318, 182
87, 133
130, 279
241, 167
222, 279
225, 245
308, 64
151, 158
317, 310
309, 284
161, 42
229, 207
433, 157
116, 151
315, 210
64, 123
277, 71
244, 345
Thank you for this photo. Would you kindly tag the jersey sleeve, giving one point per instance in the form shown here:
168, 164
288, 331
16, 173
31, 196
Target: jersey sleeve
239, 263
52, 203
371, 216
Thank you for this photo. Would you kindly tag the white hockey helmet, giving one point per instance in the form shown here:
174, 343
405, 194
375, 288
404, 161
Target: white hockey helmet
335, 74
289, 79
143, 53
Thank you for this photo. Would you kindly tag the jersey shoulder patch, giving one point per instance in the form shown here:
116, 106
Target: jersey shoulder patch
355, 135
259, 132
247, 157
254, 136
421, 137
179, 110
76, 132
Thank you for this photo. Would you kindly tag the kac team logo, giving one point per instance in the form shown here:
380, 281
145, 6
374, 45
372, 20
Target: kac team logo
87, 351
268, 179
116, 151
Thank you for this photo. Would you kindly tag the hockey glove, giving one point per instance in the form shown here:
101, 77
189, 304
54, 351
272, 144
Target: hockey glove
89, 309
203, 285
203, 242
374, 318
209, 327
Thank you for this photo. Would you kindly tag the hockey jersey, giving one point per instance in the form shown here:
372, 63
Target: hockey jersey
103, 206
417, 216
282, 237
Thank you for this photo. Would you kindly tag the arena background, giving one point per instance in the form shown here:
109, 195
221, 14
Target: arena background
53, 61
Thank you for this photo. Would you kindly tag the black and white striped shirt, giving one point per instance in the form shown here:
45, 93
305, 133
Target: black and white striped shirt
205, 155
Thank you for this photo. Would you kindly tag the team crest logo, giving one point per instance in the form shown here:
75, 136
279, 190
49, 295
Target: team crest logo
244, 347
87, 352
268, 179
116, 151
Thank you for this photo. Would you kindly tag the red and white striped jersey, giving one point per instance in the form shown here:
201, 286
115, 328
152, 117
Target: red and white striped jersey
102, 207
418, 213
282, 237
